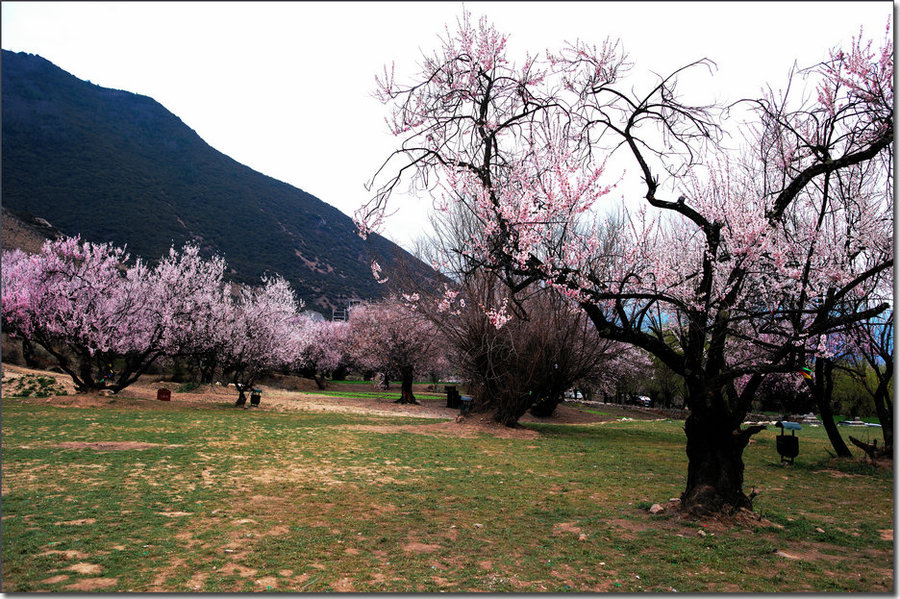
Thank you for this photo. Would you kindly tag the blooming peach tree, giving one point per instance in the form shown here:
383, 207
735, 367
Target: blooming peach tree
390, 338
745, 268
326, 349
263, 331
106, 321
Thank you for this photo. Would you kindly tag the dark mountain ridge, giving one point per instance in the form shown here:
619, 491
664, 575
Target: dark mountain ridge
118, 167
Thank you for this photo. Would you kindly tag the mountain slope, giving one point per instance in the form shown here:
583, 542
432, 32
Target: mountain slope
115, 166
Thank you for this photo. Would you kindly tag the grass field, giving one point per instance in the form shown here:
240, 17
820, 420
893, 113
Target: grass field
219, 500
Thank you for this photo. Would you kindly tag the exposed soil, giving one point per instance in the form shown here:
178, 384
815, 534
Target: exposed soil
108, 445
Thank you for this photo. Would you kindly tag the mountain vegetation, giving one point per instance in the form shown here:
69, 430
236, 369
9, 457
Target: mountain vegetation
118, 167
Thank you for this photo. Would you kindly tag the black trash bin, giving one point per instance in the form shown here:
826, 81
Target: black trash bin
452, 396
465, 404
788, 447
254, 397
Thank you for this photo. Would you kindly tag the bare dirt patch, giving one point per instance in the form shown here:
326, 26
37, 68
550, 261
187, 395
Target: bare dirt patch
92, 584
67, 553
566, 527
344, 585
468, 428
109, 445
86, 568
416, 547
267, 582
241, 571
81, 522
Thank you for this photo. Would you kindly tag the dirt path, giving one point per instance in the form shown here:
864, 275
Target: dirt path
142, 395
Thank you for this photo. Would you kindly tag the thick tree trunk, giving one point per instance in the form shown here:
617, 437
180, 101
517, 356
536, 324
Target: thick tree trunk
715, 448
28, 354
544, 407
510, 408
320, 381
242, 386
406, 388
207, 368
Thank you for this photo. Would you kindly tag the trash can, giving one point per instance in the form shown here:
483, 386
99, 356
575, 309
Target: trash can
164, 395
465, 404
788, 447
254, 397
452, 396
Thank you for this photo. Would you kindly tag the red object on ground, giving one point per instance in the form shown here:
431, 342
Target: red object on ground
164, 395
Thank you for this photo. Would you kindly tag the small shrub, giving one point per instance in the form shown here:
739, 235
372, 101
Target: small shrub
187, 387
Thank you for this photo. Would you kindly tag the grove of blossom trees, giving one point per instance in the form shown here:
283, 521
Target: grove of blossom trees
762, 252
106, 319
80, 302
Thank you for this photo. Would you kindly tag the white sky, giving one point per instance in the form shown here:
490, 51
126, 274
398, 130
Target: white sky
285, 87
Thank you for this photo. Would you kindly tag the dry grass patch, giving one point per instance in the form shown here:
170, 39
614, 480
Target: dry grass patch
110, 445
417, 547
466, 428
92, 584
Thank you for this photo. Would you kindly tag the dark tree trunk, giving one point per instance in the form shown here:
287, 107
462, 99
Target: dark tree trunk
406, 388
242, 386
715, 448
28, 354
320, 380
544, 407
885, 411
512, 407
831, 429
207, 368
885, 416
821, 388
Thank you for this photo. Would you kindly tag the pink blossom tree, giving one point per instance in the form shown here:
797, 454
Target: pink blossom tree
326, 349
390, 338
189, 302
104, 321
263, 331
707, 282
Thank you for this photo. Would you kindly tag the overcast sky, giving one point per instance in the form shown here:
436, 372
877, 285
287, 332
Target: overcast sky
285, 87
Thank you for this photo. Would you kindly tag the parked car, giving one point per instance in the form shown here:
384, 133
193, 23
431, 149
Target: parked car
644, 401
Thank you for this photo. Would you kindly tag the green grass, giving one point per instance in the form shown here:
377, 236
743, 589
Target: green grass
234, 500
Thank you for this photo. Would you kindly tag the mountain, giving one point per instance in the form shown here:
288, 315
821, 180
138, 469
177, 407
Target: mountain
118, 167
